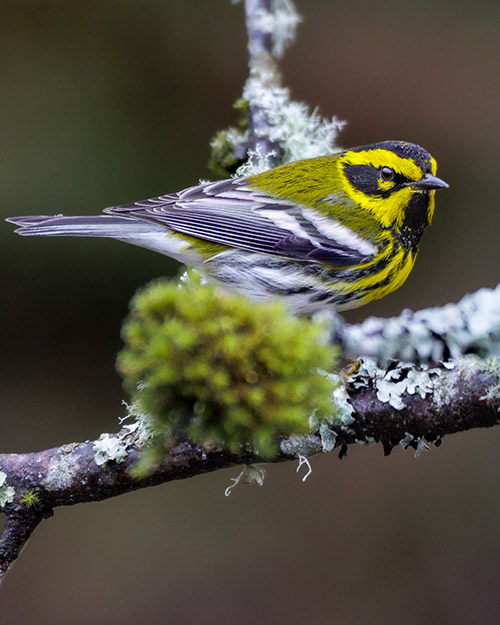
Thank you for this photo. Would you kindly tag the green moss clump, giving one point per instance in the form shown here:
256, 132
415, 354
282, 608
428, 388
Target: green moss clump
217, 368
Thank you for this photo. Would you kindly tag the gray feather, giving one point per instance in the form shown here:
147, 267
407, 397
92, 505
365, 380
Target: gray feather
92, 226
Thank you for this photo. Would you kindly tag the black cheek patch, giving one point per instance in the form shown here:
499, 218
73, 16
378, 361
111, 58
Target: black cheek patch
365, 178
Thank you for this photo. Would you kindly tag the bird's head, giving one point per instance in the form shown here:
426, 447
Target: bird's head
394, 180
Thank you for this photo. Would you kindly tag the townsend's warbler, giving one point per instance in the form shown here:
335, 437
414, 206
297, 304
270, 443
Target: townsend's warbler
338, 230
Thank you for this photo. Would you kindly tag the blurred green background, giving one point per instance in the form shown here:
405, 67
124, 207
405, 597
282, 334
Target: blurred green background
112, 101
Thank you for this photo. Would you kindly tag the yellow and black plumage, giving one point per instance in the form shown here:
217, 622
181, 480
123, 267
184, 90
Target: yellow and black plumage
338, 230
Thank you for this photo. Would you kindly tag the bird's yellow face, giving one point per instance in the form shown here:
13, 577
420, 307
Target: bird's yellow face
391, 180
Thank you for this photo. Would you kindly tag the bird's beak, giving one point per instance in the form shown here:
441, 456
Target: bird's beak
429, 182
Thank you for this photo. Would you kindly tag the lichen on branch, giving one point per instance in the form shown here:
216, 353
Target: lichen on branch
273, 129
472, 326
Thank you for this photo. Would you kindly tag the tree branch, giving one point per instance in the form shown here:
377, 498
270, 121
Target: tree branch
392, 407
263, 69
16, 532
472, 326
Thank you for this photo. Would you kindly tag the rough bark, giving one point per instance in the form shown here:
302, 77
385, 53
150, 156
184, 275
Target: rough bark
464, 397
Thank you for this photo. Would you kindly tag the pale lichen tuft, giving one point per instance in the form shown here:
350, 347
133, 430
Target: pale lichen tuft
109, 447
6, 492
250, 474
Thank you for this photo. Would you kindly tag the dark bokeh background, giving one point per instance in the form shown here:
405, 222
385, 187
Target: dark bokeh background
112, 101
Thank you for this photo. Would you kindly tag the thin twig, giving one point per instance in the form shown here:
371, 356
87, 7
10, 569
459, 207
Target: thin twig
262, 67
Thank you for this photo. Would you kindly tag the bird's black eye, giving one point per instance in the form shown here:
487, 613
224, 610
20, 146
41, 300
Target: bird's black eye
386, 173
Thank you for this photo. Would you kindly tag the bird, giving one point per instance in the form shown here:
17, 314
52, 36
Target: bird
335, 231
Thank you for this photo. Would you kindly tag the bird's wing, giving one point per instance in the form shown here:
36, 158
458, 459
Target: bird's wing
230, 213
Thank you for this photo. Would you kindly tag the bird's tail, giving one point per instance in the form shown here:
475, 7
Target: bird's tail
117, 227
